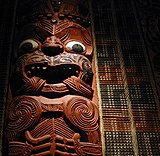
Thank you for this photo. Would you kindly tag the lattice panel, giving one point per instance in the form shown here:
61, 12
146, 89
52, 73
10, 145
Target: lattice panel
119, 143
114, 105
148, 143
125, 82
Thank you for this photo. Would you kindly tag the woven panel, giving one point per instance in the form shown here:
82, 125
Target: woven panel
129, 104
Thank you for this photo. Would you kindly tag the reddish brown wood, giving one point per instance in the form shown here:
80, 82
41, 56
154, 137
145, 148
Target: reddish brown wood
52, 111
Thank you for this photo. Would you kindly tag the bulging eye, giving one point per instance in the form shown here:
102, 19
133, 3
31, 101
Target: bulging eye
28, 45
75, 46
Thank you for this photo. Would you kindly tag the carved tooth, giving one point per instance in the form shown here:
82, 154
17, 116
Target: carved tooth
38, 67
44, 68
77, 73
70, 68
32, 68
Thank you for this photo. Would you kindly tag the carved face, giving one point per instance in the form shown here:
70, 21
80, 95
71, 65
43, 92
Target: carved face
57, 65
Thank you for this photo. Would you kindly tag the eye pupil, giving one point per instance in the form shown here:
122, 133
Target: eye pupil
27, 46
77, 48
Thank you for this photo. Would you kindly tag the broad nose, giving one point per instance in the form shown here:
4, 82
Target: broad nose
52, 46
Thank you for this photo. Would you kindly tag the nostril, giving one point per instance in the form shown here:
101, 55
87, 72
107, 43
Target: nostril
52, 46
52, 51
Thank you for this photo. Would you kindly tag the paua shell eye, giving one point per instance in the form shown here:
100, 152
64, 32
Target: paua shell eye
28, 45
75, 46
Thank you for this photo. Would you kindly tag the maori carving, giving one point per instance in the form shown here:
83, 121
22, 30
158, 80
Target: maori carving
52, 111
23, 112
82, 113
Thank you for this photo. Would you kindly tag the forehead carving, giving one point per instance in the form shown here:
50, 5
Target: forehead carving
65, 32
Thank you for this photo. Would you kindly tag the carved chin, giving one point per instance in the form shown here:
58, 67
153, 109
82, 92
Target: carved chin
58, 89
71, 85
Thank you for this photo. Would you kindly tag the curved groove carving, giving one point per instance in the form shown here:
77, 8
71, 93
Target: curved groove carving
91, 149
19, 148
24, 112
79, 87
82, 113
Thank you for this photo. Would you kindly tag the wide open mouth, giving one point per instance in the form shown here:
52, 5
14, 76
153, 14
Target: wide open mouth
52, 74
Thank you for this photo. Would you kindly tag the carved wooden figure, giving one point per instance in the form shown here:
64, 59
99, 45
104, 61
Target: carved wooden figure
52, 111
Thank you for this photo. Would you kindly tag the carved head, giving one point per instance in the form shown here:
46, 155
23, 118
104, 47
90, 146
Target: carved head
57, 64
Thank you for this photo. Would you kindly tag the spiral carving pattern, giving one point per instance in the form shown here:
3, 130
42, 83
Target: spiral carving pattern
82, 113
24, 112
